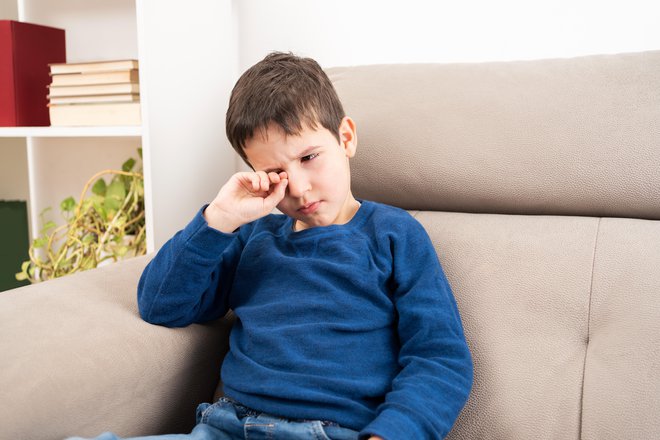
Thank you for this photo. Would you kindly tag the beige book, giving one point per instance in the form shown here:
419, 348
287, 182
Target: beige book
95, 66
97, 89
121, 113
84, 79
129, 97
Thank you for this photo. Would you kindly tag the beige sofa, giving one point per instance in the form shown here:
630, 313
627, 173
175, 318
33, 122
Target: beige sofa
539, 183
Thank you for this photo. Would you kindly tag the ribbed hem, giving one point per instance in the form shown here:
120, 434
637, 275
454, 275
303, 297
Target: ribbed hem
393, 425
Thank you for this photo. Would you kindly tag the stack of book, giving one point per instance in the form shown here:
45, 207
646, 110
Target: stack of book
94, 93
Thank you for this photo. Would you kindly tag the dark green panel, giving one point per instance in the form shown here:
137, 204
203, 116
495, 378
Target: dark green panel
14, 242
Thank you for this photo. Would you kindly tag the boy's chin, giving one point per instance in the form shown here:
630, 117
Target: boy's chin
300, 224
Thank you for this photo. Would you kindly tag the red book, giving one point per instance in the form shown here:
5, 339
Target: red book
25, 51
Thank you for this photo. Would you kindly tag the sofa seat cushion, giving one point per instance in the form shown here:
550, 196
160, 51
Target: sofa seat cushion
562, 315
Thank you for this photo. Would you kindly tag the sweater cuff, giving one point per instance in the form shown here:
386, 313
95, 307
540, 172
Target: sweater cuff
392, 424
206, 240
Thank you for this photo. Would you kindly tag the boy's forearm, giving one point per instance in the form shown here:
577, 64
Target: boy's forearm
179, 287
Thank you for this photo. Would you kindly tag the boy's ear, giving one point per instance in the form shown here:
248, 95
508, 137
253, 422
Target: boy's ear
348, 136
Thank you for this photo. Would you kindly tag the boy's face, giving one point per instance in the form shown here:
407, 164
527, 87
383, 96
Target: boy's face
319, 188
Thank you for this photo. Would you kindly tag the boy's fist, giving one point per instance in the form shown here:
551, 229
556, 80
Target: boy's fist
245, 197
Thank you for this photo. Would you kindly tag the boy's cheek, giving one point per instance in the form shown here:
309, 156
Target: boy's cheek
283, 207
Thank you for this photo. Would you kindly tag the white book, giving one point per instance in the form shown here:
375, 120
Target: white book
96, 89
94, 66
82, 79
129, 97
121, 113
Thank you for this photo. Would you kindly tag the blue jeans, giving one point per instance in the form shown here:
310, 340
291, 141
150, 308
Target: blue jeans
229, 420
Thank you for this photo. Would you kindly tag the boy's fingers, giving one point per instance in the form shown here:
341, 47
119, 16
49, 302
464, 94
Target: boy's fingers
278, 193
248, 179
265, 181
274, 177
262, 182
256, 182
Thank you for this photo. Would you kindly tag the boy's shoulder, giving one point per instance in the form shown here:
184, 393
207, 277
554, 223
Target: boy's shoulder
387, 210
385, 216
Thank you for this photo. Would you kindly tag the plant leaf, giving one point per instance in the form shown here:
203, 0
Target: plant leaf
96, 200
68, 204
128, 165
116, 190
114, 197
48, 226
99, 208
99, 187
39, 242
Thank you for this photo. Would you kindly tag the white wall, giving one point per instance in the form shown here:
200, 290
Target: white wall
8, 10
348, 32
95, 29
13, 170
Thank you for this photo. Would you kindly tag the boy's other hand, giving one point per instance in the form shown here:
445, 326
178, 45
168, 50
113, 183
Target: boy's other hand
245, 197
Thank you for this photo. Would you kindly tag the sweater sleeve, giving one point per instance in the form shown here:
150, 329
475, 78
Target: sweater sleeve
435, 375
189, 278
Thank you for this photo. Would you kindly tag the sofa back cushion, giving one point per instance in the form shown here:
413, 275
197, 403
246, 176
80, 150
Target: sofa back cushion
516, 170
574, 136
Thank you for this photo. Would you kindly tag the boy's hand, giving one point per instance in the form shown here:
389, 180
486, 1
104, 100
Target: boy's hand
245, 197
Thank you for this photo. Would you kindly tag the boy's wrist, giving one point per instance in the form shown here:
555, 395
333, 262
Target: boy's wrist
216, 220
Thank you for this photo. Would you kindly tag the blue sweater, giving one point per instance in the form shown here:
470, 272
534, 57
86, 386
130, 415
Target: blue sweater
352, 323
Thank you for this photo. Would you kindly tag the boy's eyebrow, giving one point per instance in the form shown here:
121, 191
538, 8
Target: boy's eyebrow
304, 153
309, 150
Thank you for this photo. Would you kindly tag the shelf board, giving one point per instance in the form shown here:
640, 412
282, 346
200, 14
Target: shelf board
110, 131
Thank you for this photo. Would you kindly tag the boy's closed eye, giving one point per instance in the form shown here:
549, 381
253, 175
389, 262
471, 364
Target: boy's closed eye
309, 157
305, 158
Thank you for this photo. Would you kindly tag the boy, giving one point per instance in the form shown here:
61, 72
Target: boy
346, 326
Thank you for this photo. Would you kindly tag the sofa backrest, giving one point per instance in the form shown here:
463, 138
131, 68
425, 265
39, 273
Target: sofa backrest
539, 184
574, 136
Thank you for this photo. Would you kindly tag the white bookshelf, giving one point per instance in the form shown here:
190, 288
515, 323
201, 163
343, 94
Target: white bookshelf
188, 63
61, 132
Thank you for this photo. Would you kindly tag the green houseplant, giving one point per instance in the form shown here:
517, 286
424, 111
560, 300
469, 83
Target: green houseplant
107, 224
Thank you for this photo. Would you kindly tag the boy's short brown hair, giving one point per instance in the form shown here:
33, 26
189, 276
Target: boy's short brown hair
284, 89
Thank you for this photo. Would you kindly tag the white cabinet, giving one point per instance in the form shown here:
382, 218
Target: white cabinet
188, 63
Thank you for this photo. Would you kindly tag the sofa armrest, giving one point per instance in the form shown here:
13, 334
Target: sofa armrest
77, 359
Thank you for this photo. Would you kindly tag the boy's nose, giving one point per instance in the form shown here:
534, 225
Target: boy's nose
298, 185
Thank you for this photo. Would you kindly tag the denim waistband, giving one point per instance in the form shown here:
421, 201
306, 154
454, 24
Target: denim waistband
243, 411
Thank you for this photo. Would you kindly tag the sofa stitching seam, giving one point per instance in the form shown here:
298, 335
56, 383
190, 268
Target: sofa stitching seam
586, 350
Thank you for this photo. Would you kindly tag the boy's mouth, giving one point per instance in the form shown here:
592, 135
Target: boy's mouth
309, 208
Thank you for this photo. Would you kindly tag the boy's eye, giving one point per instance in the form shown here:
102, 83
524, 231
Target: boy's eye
309, 157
